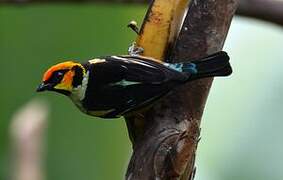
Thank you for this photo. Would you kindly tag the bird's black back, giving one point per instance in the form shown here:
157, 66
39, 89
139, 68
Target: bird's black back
120, 85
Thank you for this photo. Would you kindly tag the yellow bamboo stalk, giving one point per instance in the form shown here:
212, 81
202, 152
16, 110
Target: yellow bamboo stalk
161, 27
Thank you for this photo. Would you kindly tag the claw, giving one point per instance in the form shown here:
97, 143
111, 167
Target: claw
134, 50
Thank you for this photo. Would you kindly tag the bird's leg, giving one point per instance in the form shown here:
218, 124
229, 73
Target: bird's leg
134, 50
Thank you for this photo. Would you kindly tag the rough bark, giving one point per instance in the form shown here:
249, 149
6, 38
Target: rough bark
204, 32
166, 149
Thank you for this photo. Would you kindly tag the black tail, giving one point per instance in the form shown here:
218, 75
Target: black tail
214, 65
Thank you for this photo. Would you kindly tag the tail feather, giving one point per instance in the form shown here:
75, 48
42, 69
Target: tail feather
214, 65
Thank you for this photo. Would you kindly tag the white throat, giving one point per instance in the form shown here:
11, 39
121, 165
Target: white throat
78, 93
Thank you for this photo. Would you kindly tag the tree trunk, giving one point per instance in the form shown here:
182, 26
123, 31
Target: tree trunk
166, 147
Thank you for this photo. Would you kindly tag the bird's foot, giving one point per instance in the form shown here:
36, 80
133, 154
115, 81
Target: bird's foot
134, 50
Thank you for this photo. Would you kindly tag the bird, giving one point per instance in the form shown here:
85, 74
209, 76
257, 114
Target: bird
115, 86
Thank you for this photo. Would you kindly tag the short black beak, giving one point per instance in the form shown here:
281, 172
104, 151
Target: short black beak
43, 87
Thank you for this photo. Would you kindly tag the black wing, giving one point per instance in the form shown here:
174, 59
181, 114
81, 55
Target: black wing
122, 84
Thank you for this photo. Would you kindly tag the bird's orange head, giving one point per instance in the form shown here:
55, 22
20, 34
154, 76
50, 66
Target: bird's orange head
62, 77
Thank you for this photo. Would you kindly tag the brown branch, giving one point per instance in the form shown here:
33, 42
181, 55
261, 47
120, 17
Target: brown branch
268, 10
166, 149
204, 32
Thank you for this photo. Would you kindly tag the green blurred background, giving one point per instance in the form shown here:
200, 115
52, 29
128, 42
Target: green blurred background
242, 123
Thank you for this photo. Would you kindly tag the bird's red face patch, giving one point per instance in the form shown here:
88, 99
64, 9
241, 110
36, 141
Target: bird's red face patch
60, 76
61, 66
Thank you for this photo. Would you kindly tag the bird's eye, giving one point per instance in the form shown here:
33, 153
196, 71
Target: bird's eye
57, 76
59, 73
